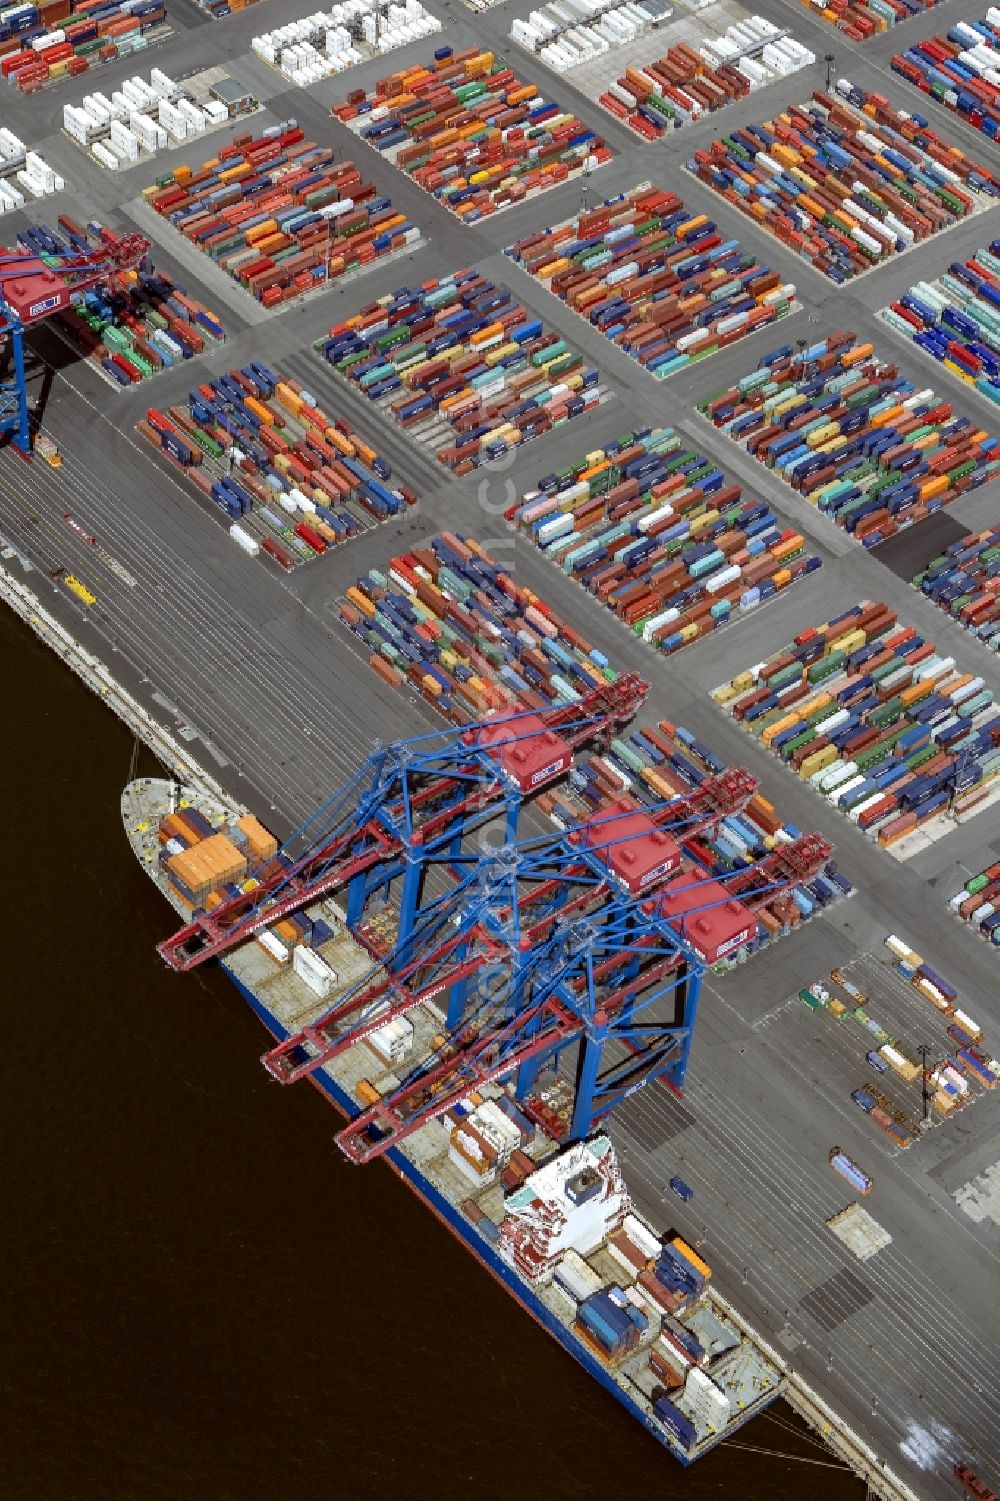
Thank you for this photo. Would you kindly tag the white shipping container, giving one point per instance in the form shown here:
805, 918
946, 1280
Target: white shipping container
656, 621
642, 1236
957, 1080
844, 790
313, 970
393, 1041
243, 539
104, 155
722, 579
897, 947
931, 993
273, 946
573, 1273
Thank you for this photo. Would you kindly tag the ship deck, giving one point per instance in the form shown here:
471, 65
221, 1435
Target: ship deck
750, 1380
250, 670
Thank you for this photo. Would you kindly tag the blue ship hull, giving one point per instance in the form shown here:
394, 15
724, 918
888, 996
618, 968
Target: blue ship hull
485, 1253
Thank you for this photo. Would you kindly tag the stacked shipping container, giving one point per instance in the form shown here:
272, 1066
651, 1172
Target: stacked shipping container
853, 437
952, 1076
452, 623
470, 132
957, 319
292, 480
978, 903
960, 70
459, 358
860, 19
845, 184
677, 88
279, 215
663, 284
651, 528
865, 710
57, 39
965, 581
311, 48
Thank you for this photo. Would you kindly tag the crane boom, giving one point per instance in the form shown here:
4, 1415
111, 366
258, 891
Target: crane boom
470, 765
34, 287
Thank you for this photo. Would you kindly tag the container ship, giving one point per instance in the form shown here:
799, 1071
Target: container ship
551, 1221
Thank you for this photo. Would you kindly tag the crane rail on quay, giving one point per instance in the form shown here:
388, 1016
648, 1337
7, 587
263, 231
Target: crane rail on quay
591, 936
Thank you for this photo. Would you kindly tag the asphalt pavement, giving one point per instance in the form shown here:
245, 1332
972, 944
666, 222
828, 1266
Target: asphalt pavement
252, 668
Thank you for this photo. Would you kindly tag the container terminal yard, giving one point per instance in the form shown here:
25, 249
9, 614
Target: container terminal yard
243, 678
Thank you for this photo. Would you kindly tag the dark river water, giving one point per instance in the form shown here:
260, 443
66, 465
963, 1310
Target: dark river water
200, 1297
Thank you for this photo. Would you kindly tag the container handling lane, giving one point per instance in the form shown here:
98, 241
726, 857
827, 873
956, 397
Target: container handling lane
245, 654
234, 673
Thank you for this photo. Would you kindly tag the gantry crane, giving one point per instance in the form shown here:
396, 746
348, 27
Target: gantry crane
591, 937
34, 287
409, 806
559, 940
537, 949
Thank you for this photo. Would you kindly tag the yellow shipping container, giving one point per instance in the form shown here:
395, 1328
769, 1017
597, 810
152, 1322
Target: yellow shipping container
932, 487
850, 641
779, 725
817, 761
821, 435
786, 155
707, 518
494, 356
289, 399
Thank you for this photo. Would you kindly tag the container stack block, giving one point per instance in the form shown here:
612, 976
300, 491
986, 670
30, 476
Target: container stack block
978, 904
143, 325
652, 763
57, 39
679, 87
861, 19
964, 580
652, 528
956, 319
661, 283
314, 47
961, 70
451, 622
292, 480
846, 180
853, 437
881, 724
279, 215
459, 358
471, 133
